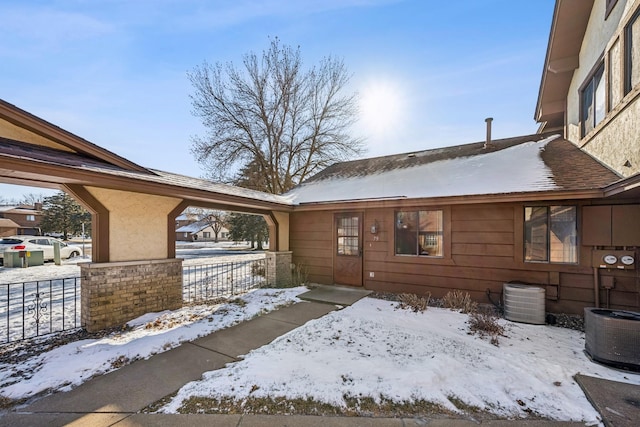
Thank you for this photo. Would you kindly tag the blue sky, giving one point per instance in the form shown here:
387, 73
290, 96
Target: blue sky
427, 71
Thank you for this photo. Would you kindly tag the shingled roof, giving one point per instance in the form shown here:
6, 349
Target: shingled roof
532, 163
84, 163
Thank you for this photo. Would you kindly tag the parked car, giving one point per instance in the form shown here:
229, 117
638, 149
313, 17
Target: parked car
38, 243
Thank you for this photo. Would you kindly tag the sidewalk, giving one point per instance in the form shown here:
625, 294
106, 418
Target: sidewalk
116, 398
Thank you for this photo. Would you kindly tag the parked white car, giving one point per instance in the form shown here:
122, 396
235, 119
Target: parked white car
38, 243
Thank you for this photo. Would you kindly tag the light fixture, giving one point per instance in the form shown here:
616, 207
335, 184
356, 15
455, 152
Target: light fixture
375, 227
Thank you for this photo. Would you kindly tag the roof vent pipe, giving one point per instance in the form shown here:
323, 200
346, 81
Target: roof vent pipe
488, 120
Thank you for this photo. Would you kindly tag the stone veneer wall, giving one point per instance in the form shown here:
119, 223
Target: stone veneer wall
114, 293
279, 268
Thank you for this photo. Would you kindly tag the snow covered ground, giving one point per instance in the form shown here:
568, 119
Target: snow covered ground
369, 349
375, 349
70, 365
59, 286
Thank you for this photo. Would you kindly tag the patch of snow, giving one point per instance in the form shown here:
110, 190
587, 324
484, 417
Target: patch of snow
69, 365
374, 349
512, 170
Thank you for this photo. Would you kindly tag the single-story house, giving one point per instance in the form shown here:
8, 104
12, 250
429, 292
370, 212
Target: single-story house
200, 230
559, 209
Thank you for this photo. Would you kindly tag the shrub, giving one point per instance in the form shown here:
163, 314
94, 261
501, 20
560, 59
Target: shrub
414, 302
299, 275
485, 323
458, 300
258, 269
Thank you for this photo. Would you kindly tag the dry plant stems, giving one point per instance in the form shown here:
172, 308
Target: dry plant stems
414, 302
485, 323
458, 300
258, 269
299, 275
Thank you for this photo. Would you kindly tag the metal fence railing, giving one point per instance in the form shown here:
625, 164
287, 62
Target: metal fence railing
33, 309
36, 308
201, 283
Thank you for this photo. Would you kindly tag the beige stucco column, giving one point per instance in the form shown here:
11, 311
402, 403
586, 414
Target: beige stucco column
278, 223
134, 270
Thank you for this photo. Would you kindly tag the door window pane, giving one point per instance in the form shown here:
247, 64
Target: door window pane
348, 236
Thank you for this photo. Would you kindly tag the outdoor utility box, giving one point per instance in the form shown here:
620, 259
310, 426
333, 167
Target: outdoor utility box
13, 258
611, 225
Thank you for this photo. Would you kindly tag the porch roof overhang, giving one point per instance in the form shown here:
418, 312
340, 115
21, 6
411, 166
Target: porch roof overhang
570, 19
28, 164
66, 140
627, 188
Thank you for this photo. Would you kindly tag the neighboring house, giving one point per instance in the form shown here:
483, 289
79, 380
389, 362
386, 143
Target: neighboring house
544, 209
20, 220
185, 218
199, 230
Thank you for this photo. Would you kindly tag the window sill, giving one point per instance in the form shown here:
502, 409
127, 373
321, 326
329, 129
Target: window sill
416, 259
626, 101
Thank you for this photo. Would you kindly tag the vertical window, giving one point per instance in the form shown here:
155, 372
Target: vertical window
419, 233
632, 53
348, 232
592, 100
615, 75
550, 234
206, 234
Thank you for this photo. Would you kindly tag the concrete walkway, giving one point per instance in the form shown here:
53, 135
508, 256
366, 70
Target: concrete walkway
116, 398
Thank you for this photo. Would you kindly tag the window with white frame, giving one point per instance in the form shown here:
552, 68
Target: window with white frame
551, 234
31, 217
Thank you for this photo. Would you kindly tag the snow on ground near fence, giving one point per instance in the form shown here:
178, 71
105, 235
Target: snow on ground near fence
70, 365
61, 298
374, 349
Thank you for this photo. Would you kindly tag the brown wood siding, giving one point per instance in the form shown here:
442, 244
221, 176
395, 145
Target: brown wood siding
485, 251
311, 241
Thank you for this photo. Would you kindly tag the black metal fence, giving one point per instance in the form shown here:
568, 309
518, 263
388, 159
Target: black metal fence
202, 283
43, 307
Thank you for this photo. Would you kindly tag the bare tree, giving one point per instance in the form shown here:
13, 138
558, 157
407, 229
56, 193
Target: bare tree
213, 218
32, 198
287, 122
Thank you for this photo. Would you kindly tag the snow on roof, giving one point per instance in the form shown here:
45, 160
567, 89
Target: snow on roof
18, 209
11, 148
516, 165
193, 227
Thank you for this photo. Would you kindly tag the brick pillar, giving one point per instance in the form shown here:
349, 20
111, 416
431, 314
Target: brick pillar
279, 268
114, 293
